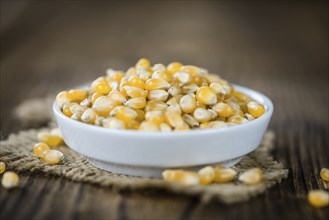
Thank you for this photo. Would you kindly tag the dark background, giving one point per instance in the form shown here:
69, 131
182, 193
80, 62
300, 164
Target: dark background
277, 47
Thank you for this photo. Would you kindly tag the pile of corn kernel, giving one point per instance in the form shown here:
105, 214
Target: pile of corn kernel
159, 98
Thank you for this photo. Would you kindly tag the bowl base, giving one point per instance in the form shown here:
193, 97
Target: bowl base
144, 171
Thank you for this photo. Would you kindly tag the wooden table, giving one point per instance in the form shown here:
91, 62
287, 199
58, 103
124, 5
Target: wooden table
279, 48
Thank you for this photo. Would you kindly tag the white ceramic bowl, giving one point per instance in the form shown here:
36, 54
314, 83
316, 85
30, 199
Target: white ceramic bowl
142, 153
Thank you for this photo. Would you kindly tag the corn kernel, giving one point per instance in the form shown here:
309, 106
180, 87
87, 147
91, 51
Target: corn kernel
224, 175
174, 119
252, 176
324, 174
182, 127
156, 83
89, 116
114, 75
237, 119
140, 115
175, 90
161, 95
40, 148
218, 89
66, 109
50, 140
318, 198
190, 121
164, 127
136, 103
135, 92
2, 167
135, 81
101, 85
143, 74
103, 105
187, 104
157, 117
143, 63
174, 67
174, 100
174, 107
206, 96
223, 110
133, 125
118, 96
190, 88
77, 95
242, 97
193, 70
52, 157
249, 117
148, 126
154, 105
124, 114
10, 180
63, 98
255, 109
95, 96
216, 124
202, 115
113, 123
159, 67
180, 176
165, 75
182, 77
207, 175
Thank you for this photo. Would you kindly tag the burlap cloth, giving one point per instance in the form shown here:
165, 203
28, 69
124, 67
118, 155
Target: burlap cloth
17, 153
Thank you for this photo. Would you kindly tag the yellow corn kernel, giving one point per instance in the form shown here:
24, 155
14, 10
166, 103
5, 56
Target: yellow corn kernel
133, 125
114, 75
255, 109
190, 88
206, 96
49, 139
101, 85
136, 103
77, 109
95, 96
252, 176
188, 119
154, 105
174, 67
237, 119
324, 174
318, 198
53, 157
212, 78
218, 89
159, 67
199, 80
188, 178
66, 110
10, 180
183, 127
143, 74
131, 71
182, 77
103, 105
89, 116
140, 115
143, 63
193, 70
174, 107
148, 126
40, 148
243, 107
200, 105
242, 97
136, 82
124, 114
216, 124
135, 92
201, 115
156, 83
118, 96
224, 175
174, 100
174, 119
175, 90
113, 123
207, 175
163, 74
187, 104
158, 94
63, 98
203, 125
156, 117
164, 127
223, 110
2, 167
77, 95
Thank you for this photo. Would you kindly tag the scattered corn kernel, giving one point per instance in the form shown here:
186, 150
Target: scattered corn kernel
2, 167
49, 139
10, 180
207, 175
324, 174
53, 157
180, 176
318, 198
224, 175
252, 176
40, 148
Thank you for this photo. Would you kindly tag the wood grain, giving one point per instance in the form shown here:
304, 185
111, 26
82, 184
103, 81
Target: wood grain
279, 48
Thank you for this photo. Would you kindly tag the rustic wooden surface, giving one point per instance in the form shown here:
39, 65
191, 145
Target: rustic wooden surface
279, 48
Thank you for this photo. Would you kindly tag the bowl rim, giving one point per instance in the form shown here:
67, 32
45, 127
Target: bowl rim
269, 108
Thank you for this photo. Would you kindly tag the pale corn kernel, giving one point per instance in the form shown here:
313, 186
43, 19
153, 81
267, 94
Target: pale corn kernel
216, 124
135, 92
86, 102
77, 95
252, 176
182, 77
201, 115
137, 82
156, 117
224, 175
159, 67
89, 116
218, 89
318, 198
125, 114
174, 119
53, 157
103, 105
174, 67
324, 174
237, 119
175, 90
223, 110
255, 109
188, 178
206, 96
154, 105
2, 167
40, 148
131, 71
200, 105
114, 85
143, 62
118, 96
193, 70
10, 180
63, 98
199, 80
187, 104
212, 78
66, 109
242, 97
165, 75
50, 140
95, 96
148, 126
190, 88
143, 74
243, 106
213, 113
207, 175
136, 103
133, 125
161, 95
99, 120
249, 117
140, 115
190, 120
77, 109
164, 127
182, 127
156, 83
114, 75
234, 105
203, 125
174, 100
174, 107
56, 131
113, 123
